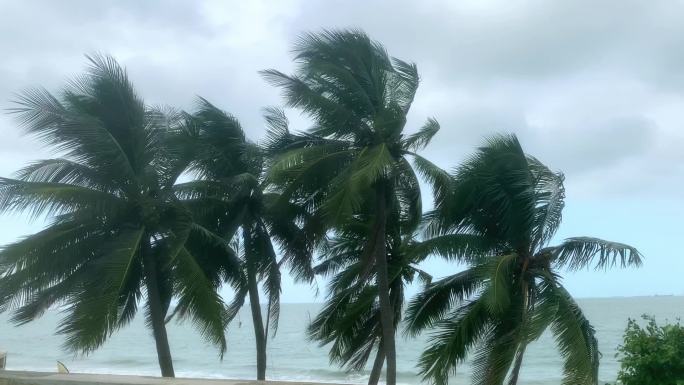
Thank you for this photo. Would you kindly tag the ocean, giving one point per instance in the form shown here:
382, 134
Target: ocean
291, 356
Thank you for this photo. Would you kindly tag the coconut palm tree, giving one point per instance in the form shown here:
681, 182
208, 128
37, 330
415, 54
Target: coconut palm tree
228, 197
356, 152
350, 319
499, 216
115, 233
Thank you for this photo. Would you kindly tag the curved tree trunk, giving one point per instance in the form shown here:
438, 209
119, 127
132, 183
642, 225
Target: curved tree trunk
255, 306
377, 366
386, 309
157, 314
528, 302
515, 373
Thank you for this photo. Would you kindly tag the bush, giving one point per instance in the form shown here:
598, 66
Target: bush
652, 355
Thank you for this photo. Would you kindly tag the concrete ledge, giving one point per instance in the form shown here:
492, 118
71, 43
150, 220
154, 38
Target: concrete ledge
10, 377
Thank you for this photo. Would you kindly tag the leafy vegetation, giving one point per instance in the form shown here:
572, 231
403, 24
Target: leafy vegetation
353, 162
652, 354
163, 208
498, 213
350, 319
228, 199
116, 229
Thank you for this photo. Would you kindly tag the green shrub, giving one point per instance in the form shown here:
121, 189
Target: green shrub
652, 355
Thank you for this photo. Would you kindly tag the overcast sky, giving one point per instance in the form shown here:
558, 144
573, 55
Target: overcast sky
594, 89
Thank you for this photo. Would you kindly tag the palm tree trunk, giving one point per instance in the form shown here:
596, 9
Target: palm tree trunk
255, 306
377, 366
157, 314
386, 309
515, 373
527, 303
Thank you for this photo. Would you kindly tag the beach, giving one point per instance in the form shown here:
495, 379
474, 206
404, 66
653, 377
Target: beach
42, 378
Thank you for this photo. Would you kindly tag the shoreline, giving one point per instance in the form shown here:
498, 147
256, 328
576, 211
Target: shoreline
20, 377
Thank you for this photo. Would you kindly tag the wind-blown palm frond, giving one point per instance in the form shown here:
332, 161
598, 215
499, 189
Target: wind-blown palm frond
67, 172
460, 247
576, 341
278, 137
421, 138
440, 181
493, 360
97, 312
438, 298
495, 192
454, 336
49, 199
550, 195
199, 300
579, 252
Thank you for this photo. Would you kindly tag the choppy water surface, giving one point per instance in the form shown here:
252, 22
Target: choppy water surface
292, 356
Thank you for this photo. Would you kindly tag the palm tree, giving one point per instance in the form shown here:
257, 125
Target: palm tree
229, 199
498, 216
350, 319
116, 230
356, 152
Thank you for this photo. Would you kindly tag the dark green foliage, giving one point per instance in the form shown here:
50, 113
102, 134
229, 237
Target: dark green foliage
353, 163
234, 209
652, 354
116, 229
497, 215
121, 228
350, 320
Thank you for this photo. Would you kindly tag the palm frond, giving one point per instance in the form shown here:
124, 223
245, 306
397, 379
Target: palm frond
198, 300
408, 81
438, 298
45, 198
96, 308
421, 138
580, 252
439, 180
98, 121
495, 355
278, 136
66, 171
576, 341
452, 340
469, 248
549, 199
494, 192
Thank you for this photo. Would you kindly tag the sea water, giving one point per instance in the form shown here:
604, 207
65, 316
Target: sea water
291, 356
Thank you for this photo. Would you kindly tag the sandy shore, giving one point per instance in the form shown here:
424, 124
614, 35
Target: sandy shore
9, 377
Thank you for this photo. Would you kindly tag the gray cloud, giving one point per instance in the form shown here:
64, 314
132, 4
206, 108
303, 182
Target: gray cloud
583, 84
592, 88
601, 145
489, 41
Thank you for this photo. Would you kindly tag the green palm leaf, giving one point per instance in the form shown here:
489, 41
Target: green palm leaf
421, 138
438, 298
461, 247
41, 198
453, 338
199, 301
580, 252
97, 308
576, 341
